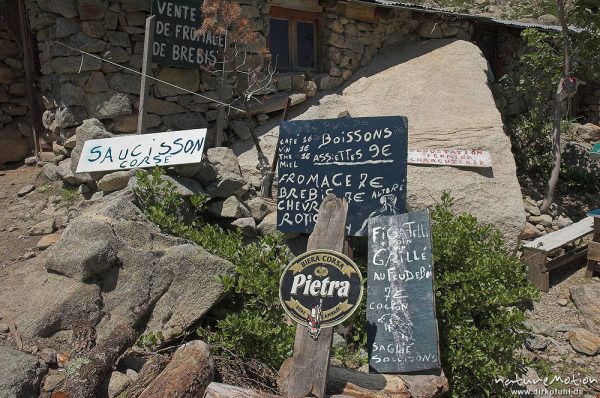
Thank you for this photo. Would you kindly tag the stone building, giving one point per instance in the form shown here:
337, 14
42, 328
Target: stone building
318, 44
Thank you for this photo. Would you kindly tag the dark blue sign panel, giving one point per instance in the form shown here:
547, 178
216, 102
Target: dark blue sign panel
360, 159
401, 325
177, 41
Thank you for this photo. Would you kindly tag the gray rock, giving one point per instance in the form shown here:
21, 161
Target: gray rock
247, 225
30, 161
564, 327
589, 132
48, 355
71, 94
25, 189
229, 208
117, 38
188, 170
70, 142
536, 343
164, 108
80, 41
20, 374
43, 228
241, 129
207, 173
185, 187
66, 26
68, 116
95, 29
224, 161
66, 8
65, 173
185, 121
53, 380
563, 222
584, 341
544, 219
86, 249
91, 129
4, 328
107, 105
91, 9
268, 226
227, 185
259, 208
585, 298
125, 82
117, 384
96, 83
115, 181
530, 231
532, 209
73, 65
539, 327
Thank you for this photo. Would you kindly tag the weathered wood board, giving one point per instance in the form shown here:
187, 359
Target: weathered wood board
401, 323
556, 240
177, 41
360, 159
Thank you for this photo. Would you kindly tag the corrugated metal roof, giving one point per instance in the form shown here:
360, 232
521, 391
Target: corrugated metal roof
480, 18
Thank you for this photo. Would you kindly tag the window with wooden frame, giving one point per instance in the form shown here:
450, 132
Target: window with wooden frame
294, 39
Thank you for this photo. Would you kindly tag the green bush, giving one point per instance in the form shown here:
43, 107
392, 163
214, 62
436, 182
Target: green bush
478, 289
249, 323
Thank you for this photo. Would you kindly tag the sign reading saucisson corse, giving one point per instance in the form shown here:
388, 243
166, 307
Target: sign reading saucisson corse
362, 160
401, 324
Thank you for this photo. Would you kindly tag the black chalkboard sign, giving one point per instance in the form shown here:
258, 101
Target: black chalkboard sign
401, 324
360, 159
176, 38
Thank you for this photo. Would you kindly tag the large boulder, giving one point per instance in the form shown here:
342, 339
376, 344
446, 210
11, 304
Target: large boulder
91, 129
585, 297
20, 374
453, 109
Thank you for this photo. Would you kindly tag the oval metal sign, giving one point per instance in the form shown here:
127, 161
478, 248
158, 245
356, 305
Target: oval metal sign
320, 284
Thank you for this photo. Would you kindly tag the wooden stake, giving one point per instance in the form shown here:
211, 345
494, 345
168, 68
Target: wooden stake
267, 183
591, 264
146, 62
221, 113
310, 363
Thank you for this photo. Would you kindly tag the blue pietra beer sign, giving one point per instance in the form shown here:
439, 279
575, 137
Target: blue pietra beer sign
401, 325
360, 159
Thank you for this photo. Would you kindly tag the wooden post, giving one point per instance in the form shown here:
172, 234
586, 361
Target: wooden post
267, 183
538, 273
592, 254
310, 363
221, 113
30, 76
146, 62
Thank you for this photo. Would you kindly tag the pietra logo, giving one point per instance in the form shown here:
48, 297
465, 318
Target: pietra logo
324, 281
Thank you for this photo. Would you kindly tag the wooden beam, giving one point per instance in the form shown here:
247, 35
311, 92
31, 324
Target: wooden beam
538, 273
218, 390
310, 362
146, 63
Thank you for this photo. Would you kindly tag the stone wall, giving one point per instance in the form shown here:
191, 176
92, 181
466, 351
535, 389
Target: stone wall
15, 132
350, 44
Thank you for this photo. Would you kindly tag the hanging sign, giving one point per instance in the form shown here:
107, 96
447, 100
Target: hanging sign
450, 157
177, 41
140, 151
401, 325
360, 159
320, 289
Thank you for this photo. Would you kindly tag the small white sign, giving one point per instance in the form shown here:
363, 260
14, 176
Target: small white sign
450, 157
139, 151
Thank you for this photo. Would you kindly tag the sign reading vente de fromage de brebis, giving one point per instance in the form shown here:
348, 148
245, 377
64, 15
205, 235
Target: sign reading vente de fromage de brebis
140, 151
360, 159
177, 41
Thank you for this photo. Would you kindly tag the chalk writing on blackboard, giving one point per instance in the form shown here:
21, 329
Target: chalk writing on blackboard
402, 329
360, 159
177, 40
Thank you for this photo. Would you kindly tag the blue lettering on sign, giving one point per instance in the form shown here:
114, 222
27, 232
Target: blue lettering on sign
140, 157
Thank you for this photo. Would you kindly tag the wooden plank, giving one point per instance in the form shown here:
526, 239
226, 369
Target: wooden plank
591, 264
358, 12
146, 61
556, 240
366, 385
310, 363
569, 258
594, 251
538, 273
218, 390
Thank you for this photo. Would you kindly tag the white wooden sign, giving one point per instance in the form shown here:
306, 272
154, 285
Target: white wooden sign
139, 151
450, 157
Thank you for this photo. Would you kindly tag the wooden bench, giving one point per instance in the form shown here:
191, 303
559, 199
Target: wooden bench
536, 252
